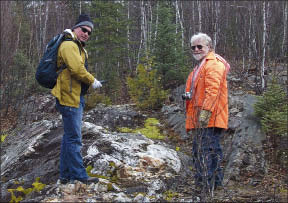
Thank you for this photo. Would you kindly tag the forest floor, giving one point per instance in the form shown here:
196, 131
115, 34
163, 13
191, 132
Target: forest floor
272, 188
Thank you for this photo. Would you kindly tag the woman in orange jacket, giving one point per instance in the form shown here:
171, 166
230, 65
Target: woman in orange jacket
206, 98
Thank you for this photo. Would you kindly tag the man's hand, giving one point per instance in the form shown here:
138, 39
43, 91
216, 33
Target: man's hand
96, 84
204, 118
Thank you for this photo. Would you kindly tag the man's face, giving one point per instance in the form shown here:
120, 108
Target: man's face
199, 49
83, 33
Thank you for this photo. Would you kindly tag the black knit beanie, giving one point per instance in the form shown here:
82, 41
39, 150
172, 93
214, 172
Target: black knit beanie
83, 19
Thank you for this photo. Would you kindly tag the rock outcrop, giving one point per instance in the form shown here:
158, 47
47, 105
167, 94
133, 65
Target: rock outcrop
130, 166
126, 163
242, 142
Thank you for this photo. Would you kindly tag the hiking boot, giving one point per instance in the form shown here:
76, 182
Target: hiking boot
218, 187
90, 180
198, 187
64, 181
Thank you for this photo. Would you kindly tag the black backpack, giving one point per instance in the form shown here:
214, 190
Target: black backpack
47, 71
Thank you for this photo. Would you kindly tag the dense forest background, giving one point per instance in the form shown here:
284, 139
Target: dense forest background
140, 37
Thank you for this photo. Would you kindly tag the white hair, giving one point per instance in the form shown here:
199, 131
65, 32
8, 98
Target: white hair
203, 38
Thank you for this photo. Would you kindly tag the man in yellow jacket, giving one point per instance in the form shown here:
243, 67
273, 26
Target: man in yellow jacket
72, 84
206, 98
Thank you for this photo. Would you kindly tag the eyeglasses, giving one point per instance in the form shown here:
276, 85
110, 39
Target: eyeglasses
198, 47
85, 30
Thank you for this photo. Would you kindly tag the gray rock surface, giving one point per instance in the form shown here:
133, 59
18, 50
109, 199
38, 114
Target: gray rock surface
113, 117
242, 143
131, 158
131, 166
245, 154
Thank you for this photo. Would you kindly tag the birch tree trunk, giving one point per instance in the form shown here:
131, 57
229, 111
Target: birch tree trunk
216, 26
149, 25
284, 45
18, 36
176, 16
249, 36
144, 26
182, 23
143, 31
36, 30
156, 26
128, 36
45, 24
264, 45
193, 17
191, 27
200, 16
30, 51
254, 43
180, 20
40, 27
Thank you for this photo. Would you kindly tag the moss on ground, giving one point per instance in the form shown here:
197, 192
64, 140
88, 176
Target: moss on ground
112, 173
169, 195
37, 186
150, 130
3, 137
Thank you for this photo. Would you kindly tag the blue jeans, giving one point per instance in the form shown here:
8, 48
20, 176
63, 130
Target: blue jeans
71, 162
207, 157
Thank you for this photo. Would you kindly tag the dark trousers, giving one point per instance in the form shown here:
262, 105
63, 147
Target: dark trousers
207, 157
71, 163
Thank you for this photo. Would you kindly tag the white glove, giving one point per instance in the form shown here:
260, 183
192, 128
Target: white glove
96, 84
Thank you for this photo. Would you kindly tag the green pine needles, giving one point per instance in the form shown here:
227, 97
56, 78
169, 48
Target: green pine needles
145, 89
272, 110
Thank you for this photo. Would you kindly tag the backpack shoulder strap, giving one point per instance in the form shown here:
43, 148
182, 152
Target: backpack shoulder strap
63, 66
68, 32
